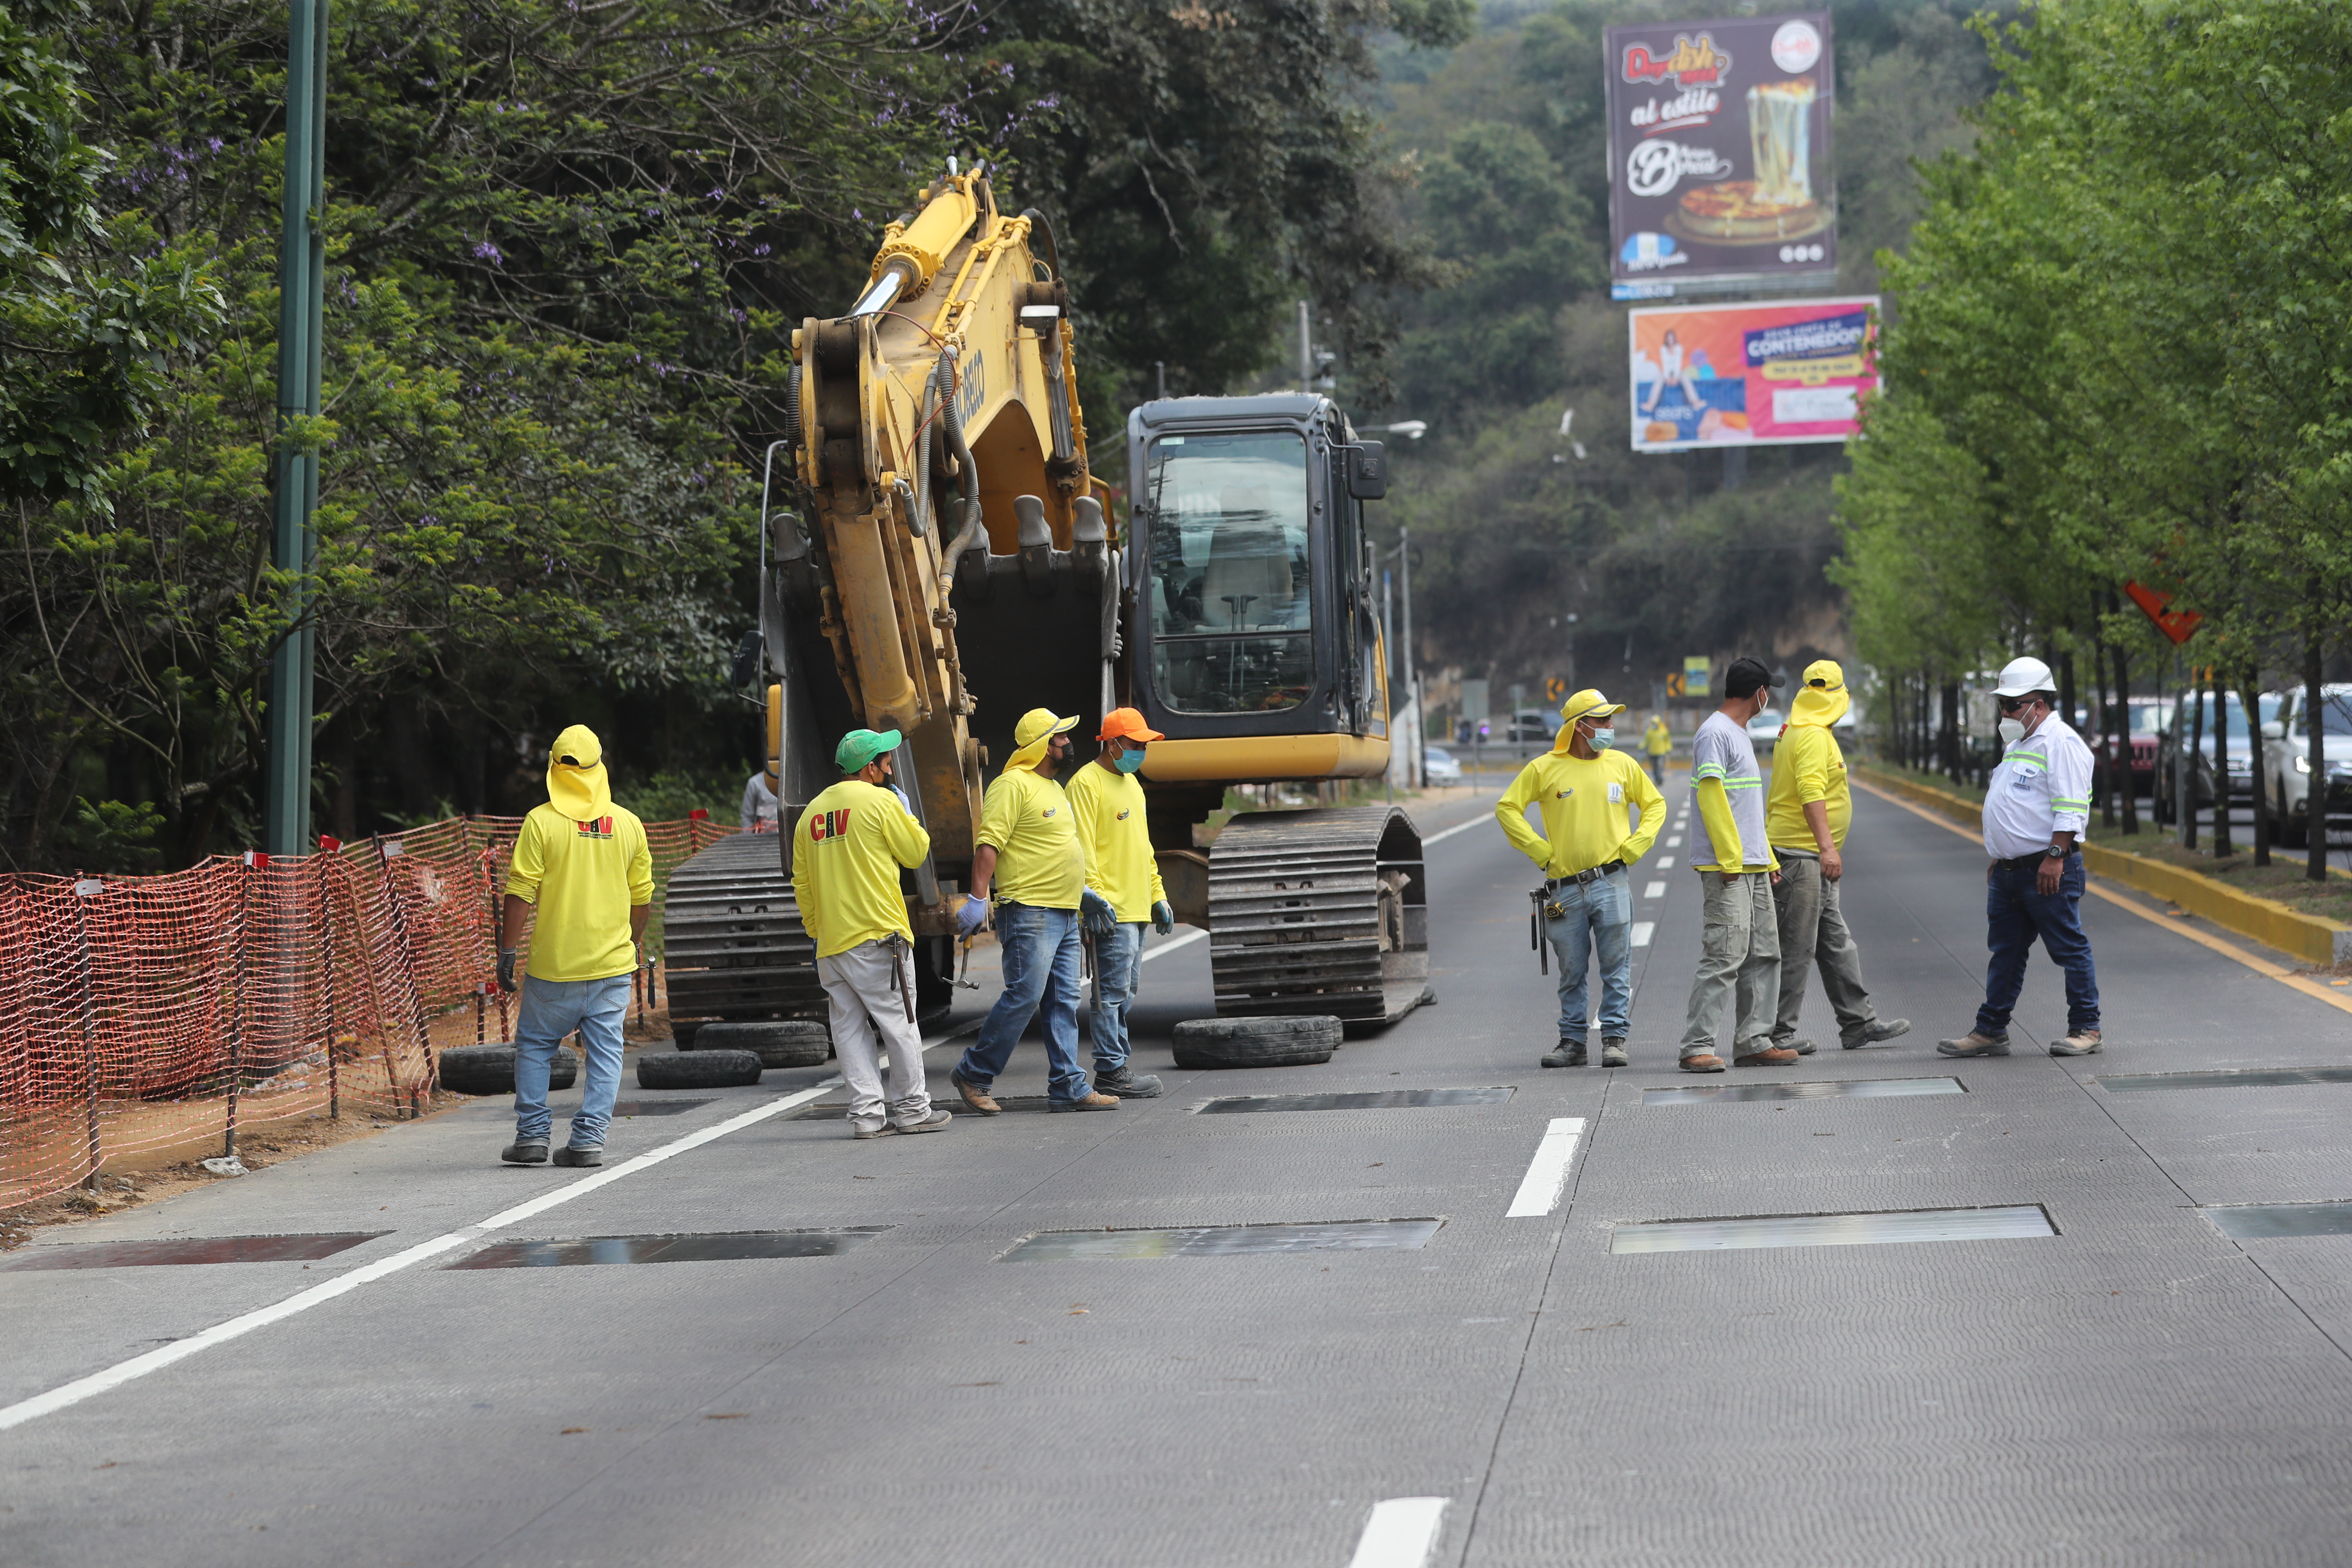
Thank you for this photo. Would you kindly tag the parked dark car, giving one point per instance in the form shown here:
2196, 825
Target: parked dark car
2148, 715
1533, 724
2173, 741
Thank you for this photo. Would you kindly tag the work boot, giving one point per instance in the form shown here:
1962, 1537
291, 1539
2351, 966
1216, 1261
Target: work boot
1769, 1057
931, 1124
525, 1153
1705, 1061
883, 1131
974, 1094
2081, 1042
1613, 1052
1802, 1047
1567, 1054
1877, 1032
1975, 1043
1125, 1085
576, 1158
1091, 1102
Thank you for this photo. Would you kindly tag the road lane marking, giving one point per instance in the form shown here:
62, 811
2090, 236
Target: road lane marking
1441, 836
1654, 891
2230, 950
1676, 842
1642, 931
1665, 863
1546, 1175
1171, 944
139, 1366
1401, 1532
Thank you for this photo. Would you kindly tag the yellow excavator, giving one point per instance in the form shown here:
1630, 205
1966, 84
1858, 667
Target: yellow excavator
938, 559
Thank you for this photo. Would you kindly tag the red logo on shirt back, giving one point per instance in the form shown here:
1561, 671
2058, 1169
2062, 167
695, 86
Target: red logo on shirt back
827, 824
598, 828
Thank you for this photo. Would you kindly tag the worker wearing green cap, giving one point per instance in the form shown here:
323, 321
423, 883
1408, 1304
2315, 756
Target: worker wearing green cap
848, 850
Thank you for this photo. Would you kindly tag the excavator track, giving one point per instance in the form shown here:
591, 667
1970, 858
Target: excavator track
733, 946
1322, 911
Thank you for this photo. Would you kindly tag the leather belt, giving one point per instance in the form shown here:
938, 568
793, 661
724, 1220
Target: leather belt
1591, 873
2021, 862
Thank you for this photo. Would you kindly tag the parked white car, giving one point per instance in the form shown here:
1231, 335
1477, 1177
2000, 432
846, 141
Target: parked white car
1438, 765
2286, 753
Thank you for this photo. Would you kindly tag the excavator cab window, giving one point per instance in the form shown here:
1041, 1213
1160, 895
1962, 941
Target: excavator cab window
1232, 607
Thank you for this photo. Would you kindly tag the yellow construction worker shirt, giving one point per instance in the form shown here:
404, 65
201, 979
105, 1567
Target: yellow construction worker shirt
1807, 765
1583, 808
1657, 740
1117, 841
583, 877
847, 852
1029, 823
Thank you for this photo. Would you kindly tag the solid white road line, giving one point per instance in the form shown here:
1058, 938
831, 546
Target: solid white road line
1171, 944
1654, 891
1547, 1174
1642, 931
1401, 1532
1443, 834
139, 1366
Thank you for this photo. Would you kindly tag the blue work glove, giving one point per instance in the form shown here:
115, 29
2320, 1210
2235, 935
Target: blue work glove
1163, 917
972, 916
1096, 913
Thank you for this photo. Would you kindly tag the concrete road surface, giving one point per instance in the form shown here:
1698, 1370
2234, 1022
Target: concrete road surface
975, 1361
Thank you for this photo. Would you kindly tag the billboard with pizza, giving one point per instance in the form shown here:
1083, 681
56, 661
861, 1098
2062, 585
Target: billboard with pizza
1773, 375
1719, 171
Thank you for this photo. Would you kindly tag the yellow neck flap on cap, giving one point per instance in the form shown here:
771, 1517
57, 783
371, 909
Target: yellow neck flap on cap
579, 789
1822, 705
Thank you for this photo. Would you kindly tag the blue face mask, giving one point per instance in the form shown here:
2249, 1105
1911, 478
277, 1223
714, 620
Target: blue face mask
1129, 762
1603, 739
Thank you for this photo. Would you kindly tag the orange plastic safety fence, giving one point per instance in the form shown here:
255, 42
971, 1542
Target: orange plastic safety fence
141, 1014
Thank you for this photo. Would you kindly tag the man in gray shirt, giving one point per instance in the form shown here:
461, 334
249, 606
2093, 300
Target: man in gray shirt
1740, 953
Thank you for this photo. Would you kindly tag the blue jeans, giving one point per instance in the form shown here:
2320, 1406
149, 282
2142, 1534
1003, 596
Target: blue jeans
1599, 916
2015, 914
1041, 966
551, 1010
1119, 973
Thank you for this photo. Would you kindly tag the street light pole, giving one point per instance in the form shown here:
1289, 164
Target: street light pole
302, 283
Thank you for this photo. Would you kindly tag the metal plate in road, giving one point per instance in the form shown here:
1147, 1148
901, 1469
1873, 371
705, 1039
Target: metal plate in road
2256, 1222
1833, 1229
1222, 1241
187, 1250
2229, 1078
722, 1246
1370, 1099
621, 1108
1853, 1088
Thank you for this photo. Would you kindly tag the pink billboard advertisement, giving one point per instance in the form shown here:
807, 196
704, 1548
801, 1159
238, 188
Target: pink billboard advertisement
1708, 375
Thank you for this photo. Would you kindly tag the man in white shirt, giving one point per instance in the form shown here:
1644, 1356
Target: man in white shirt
760, 805
2035, 810
1740, 943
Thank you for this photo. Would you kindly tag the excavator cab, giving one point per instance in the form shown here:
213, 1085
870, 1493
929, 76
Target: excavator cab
1254, 643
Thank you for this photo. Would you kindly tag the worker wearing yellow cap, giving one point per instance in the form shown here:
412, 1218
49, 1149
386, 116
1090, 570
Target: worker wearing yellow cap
582, 862
1031, 855
1806, 812
1109, 800
1587, 791
848, 850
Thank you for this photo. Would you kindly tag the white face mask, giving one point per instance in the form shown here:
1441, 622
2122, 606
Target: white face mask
2012, 730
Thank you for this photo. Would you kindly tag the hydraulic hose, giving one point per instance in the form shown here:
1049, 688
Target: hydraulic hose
970, 532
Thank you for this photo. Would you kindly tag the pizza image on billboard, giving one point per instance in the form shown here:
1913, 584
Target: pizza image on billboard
1771, 374
1719, 152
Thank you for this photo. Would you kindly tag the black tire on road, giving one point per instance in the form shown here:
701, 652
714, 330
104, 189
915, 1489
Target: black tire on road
491, 1069
778, 1043
1211, 1043
697, 1069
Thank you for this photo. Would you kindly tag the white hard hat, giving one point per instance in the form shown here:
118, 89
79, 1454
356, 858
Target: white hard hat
2020, 676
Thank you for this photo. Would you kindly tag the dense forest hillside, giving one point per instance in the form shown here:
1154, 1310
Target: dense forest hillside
1543, 545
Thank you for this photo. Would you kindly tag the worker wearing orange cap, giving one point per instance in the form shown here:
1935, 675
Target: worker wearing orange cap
1108, 801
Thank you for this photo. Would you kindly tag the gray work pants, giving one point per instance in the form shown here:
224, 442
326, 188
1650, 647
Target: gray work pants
1739, 965
868, 1003
1813, 930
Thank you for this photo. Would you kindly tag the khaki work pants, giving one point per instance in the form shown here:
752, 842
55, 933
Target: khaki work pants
1739, 965
869, 1016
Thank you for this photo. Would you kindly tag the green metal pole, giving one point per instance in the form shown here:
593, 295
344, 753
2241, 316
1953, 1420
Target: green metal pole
302, 264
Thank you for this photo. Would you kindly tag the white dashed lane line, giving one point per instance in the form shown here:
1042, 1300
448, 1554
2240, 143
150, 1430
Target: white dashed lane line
1546, 1175
1654, 891
1642, 930
1401, 1532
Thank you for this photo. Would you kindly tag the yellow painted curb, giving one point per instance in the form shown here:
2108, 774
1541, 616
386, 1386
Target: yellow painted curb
2312, 938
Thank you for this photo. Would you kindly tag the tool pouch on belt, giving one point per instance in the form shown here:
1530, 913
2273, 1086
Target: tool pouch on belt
1544, 907
899, 949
